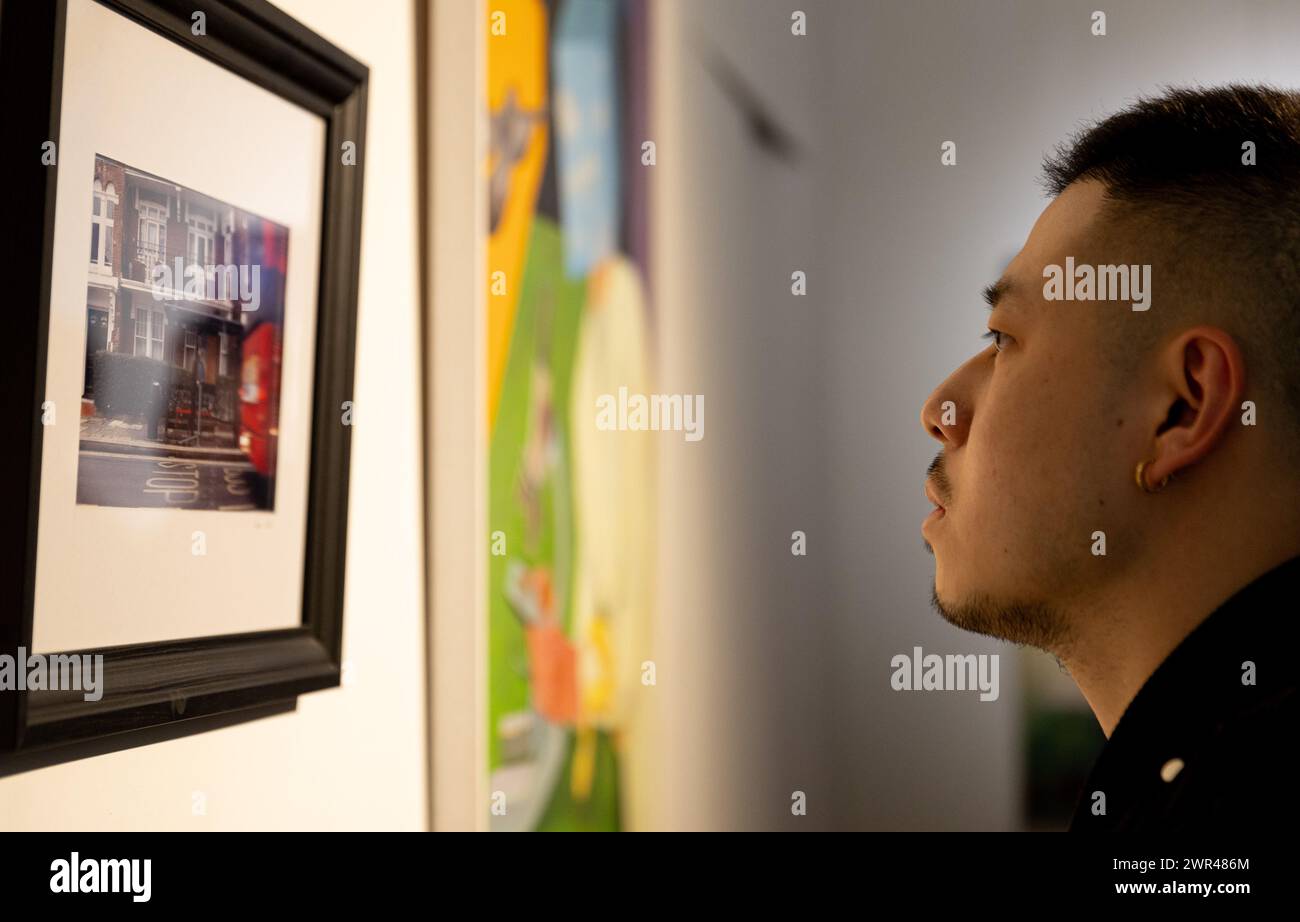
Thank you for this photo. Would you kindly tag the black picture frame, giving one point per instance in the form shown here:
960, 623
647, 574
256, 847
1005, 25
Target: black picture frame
158, 691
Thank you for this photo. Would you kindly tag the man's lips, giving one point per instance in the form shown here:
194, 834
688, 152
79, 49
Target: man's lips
932, 496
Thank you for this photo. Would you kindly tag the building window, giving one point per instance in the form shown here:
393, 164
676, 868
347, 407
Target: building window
102, 213
202, 232
151, 244
191, 349
223, 359
149, 332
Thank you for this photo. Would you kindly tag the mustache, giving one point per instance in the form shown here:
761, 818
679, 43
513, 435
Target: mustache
937, 474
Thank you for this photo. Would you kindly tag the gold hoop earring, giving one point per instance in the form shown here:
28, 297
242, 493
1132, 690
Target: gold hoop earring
1140, 476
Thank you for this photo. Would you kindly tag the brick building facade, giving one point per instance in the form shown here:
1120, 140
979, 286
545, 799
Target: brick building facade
138, 222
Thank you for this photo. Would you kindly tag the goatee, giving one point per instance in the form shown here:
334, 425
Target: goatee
1034, 624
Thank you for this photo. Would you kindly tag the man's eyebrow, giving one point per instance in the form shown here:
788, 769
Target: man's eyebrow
995, 292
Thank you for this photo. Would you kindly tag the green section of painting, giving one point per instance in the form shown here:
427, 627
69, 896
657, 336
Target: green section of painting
545, 333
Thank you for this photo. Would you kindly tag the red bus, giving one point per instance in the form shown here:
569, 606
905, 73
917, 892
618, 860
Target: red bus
259, 400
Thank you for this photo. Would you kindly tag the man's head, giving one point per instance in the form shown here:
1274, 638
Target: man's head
1196, 194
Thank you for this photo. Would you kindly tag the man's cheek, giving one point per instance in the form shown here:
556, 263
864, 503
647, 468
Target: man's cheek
999, 452
1003, 491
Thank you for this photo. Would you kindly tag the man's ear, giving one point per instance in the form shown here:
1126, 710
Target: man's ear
1205, 379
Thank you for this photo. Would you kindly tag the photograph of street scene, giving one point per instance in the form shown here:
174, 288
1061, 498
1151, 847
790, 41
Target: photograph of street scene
184, 324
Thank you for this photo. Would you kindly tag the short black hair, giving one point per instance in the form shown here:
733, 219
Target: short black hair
1176, 169
1186, 141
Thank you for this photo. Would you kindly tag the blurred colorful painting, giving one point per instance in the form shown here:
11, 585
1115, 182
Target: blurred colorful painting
570, 507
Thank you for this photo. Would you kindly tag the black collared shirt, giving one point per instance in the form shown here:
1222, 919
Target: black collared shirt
1200, 747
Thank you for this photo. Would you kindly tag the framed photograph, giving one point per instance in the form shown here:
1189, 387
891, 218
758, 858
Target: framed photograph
183, 235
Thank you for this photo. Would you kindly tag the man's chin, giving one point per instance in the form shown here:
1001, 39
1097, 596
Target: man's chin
1036, 624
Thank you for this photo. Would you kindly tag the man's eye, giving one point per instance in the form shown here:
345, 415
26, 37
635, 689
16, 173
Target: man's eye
1000, 339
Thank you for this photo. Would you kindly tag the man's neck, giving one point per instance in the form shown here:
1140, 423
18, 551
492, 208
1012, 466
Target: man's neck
1122, 637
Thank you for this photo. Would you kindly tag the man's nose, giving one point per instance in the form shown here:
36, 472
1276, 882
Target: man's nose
946, 413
